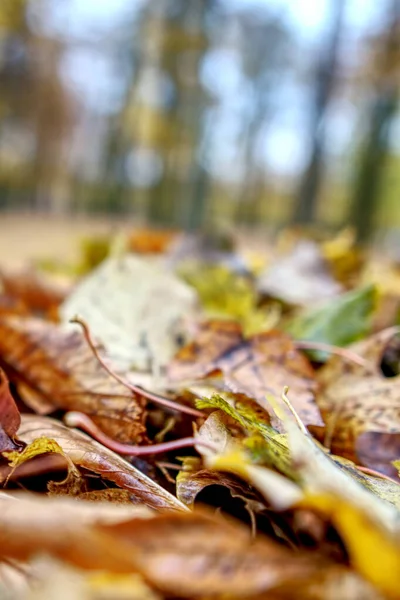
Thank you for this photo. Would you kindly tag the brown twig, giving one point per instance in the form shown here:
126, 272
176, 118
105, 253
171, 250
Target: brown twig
342, 352
78, 419
135, 389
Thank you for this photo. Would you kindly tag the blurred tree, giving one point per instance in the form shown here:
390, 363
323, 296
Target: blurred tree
383, 108
36, 129
164, 114
264, 64
307, 196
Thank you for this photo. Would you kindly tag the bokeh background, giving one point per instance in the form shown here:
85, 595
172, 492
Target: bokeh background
180, 113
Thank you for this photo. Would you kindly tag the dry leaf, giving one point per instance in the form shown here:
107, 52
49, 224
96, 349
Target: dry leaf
135, 308
200, 555
257, 367
52, 578
191, 481
10, 418
58, 365
65, 529
186, 555
89, 454
361, 407
300, 277
36, 291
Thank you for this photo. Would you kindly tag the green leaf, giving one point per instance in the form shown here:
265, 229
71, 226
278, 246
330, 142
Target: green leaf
340, 322
265, 444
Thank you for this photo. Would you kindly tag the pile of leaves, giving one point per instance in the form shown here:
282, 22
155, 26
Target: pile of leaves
180, 424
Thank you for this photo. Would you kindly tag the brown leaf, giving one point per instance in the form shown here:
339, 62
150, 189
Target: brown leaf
190, 483
9, 416
361, 407
198, 554
65, 529
89, 454
36, 291
195, 554
57, 364
261, 365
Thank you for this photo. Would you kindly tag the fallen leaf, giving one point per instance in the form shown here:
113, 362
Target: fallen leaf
73, 485
279, 491
273, 451
360, 406
88, 454
367, 524
52, 578
191, 481
198, 554
10, 418
266, 448
300, 277
65, 529
56, 364
135, 308
225, 294
35, 290
339, 322
257, 367
186, 555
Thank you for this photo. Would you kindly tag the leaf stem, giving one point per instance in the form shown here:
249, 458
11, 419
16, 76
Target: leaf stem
130, 386
374, 473
78, 419
342, 352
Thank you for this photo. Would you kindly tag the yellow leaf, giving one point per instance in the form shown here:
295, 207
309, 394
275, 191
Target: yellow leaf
41, 445
373, 552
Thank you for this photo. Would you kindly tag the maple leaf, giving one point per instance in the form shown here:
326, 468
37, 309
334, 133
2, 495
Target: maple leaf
257, 367
58, 370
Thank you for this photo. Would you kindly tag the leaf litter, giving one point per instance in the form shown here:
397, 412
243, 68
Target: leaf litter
244, 468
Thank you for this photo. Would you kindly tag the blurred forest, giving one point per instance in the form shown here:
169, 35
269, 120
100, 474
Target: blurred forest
181, 113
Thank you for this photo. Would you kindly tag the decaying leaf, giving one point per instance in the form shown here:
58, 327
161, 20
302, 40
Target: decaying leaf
89, 454
56, 364
257, 367
364, 520
9, 416
63, 528
361, 406
198, 554
135, 308
186, 555
191, 481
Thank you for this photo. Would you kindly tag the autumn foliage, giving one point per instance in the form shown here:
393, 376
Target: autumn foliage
156, 443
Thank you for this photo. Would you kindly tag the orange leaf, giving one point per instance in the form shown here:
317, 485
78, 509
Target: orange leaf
61, 372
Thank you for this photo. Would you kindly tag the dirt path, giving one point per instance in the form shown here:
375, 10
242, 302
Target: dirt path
25, 237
